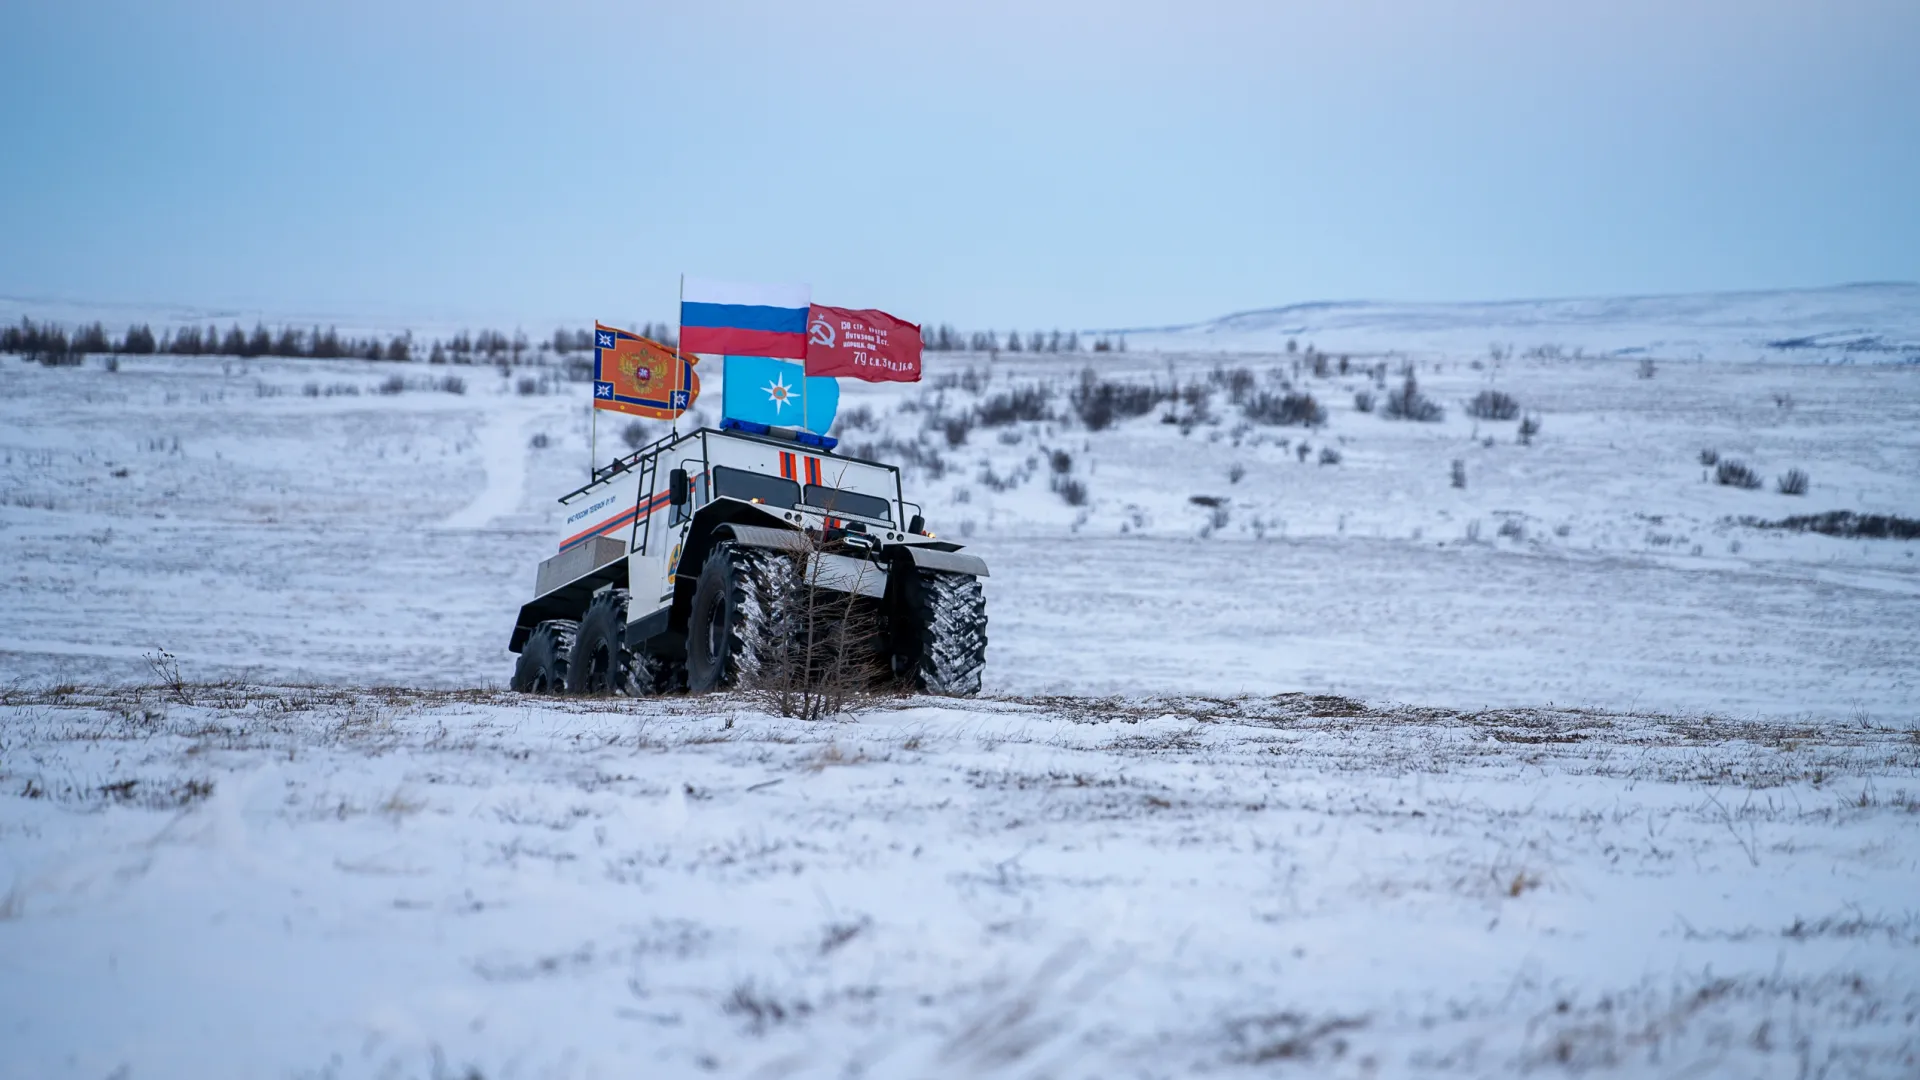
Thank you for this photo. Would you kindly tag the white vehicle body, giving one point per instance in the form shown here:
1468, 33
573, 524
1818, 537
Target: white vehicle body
769, 489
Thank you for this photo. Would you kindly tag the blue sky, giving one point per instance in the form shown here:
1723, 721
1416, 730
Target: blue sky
989, 164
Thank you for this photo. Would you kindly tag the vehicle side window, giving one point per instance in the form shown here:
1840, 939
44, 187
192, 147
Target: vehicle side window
741, 484
836, 501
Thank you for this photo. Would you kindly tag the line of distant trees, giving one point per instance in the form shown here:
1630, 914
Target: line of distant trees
944, 338
50, 343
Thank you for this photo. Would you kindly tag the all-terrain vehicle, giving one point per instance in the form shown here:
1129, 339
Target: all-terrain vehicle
674, 555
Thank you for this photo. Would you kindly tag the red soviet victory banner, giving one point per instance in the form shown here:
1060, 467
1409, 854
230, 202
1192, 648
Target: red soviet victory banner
862, 344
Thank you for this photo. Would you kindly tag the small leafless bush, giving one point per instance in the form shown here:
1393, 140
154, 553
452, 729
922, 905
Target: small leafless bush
856, 419
1529, 428
1408, 403
1794, 483
393, 384
1731, 473
1237, 382
1099, 403
914, 455
526, 386
1022, 403
1646, 369
1060, 461
539, 441
954, 428
166, 672
1709, 458
451, 384
1511, 529
1236, 472
819, 652
1070, 489
634, 434
1459, 473
1493, 405
1285, 409
1329, 456
1363, 401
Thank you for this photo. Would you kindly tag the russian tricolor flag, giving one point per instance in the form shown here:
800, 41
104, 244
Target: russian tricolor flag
744, 320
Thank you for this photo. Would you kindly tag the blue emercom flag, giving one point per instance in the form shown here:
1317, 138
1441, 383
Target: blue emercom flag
762, 390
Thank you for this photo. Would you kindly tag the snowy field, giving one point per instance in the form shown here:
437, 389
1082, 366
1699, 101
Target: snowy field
1296, 756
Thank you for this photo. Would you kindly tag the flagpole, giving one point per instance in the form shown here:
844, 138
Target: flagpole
677, 355
593, 421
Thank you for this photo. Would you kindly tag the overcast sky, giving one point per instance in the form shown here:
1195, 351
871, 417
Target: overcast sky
1030, 163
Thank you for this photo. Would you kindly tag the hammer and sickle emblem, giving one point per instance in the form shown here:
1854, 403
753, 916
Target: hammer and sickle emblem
820, 332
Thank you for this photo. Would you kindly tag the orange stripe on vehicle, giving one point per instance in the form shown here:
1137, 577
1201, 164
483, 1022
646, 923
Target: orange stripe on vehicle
625, 518
813, 470
786, 465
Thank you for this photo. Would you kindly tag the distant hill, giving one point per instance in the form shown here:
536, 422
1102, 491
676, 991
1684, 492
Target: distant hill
1870, 323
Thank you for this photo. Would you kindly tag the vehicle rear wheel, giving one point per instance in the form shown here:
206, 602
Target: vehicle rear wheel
542, 667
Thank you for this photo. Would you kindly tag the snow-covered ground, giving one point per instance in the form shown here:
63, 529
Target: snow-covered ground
314, 882
1649, 806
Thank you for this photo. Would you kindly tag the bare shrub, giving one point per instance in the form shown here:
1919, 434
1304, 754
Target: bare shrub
1408, 403
634, 434
166, 672
1459, 473
1363, 401
1022, 403
1709, 458
1329, 456
819, 652
393, 384
1237, 382
1731, 473
1794, 483
856, 419
1099, 403
1511, 529
955, 428
1646, 369
1845, 523
1236, 472
1070, 489
1285, 409
911, 454
539, 441
1529, 428
1060, 461
451, 384
1493, 405
526, 386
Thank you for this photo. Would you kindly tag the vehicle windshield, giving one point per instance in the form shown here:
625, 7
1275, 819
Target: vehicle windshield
731, 483
838, 501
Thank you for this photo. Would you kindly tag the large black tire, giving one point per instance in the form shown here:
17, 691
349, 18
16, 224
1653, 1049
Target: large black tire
603, 663
542, 667
599, 661
944, 644
733, 621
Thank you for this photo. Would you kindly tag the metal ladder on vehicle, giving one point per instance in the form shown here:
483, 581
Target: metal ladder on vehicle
643, 522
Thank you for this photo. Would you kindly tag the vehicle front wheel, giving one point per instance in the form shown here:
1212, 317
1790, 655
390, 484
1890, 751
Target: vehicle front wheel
732, 619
